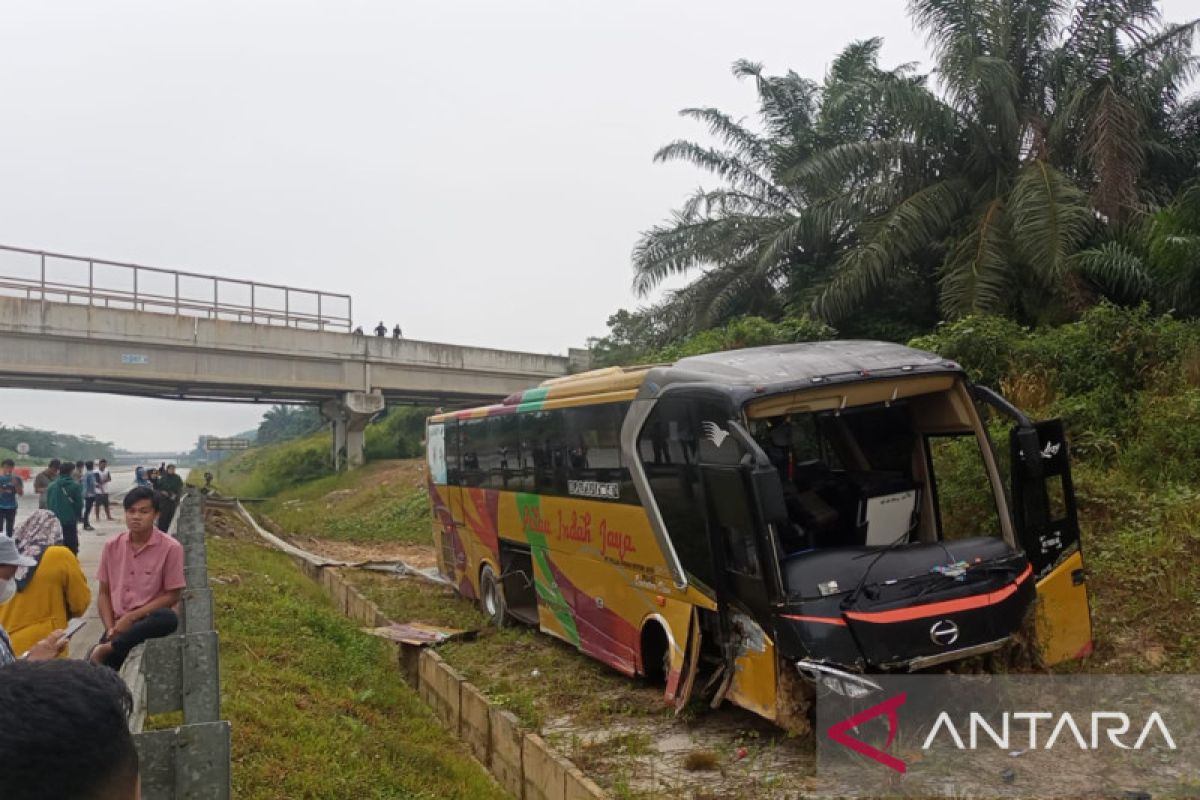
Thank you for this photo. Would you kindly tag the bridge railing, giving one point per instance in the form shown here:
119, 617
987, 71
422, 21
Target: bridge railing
56, 277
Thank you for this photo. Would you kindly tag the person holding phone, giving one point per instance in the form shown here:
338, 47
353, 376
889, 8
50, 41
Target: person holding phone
49, 591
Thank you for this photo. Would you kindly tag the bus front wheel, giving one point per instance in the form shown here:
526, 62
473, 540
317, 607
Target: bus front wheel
491, 597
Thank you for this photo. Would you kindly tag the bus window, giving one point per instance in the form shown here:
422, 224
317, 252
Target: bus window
711, 439
504, 459
668, 453
473, 441
453, 468
593, 442
542, 438
965, 502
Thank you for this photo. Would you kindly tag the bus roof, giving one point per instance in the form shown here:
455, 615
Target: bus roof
753, 370
777, 366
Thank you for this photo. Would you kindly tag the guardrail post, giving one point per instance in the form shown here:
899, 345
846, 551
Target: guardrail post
191, 761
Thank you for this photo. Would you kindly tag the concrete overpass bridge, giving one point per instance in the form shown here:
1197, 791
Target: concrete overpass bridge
79, 324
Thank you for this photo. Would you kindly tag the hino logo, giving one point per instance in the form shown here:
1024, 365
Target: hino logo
944, 633
714, 434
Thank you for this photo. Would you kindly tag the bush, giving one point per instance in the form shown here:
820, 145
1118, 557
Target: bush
398, 434
986, 346
1166, 444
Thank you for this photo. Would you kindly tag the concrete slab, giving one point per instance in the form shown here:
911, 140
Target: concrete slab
545, 776
507, 740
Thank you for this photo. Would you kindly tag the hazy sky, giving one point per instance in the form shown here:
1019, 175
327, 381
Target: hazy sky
477, 171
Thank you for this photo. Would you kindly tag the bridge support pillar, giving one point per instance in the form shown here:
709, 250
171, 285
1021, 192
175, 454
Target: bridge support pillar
348, 416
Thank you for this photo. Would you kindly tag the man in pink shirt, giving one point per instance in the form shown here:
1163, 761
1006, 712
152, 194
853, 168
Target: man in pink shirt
141, 579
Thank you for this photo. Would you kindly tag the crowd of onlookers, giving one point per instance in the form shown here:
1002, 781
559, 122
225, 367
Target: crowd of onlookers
55, 704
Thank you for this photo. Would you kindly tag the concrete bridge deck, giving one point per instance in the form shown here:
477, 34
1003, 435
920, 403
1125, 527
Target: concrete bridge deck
74, 347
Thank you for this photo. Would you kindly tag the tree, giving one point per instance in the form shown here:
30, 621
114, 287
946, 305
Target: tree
280, 423
1045, 128
769, 234
1155, 258
1047, 125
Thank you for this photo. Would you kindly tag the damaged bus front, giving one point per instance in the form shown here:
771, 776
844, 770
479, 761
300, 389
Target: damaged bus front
844, 507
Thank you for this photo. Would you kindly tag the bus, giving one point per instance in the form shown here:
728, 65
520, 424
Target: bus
748, 525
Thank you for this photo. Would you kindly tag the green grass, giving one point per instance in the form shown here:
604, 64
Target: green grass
503, 663
318, 708
384, 501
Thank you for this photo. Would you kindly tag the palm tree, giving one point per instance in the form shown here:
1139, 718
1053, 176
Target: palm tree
1154, 258
1046, 125
765, 237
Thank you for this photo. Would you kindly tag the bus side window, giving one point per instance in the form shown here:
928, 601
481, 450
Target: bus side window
593, 442
453, 468
473, 440
541, 437
505, 454
668, 454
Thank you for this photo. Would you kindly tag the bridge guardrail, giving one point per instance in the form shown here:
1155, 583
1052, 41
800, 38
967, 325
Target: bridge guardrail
181, 673
255, 302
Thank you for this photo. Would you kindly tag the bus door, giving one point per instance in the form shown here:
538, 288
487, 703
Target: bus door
746, 561
1047, 522
1046, 519
442, 448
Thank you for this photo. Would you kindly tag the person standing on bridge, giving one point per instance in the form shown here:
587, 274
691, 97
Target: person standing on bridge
65, 499
170, 489
42, 481
397, 334
141, 580
11, 488
381, 329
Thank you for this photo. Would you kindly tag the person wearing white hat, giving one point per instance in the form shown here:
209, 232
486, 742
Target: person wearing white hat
10, 561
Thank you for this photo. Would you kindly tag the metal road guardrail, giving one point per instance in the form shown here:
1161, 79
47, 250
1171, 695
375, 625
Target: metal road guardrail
181, 673
60, 278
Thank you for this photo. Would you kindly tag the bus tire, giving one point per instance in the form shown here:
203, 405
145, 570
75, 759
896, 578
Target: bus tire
491, 597
656, 653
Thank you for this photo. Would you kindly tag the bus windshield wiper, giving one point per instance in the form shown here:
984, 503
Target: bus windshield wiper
862, 582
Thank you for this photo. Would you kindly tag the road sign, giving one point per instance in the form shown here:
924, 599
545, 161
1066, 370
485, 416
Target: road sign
213, 443
23, 448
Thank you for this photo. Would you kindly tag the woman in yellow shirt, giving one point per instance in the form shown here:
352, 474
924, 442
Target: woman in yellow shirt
47, 594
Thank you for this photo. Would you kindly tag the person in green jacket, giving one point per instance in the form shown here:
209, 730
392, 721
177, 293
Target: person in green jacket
65, 499
170, 489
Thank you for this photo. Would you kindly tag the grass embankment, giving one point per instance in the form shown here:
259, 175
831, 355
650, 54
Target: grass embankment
386, 501
318, 708
533, 675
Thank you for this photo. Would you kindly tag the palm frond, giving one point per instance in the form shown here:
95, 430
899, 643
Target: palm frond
734, 134
686, 244
913, 224
725, 166
977, 276
1050, 219
1116, 267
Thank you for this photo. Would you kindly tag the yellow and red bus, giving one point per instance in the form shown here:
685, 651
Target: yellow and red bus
753, 520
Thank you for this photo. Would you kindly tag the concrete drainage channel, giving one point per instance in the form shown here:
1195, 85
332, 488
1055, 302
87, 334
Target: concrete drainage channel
180, 673
520, 760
